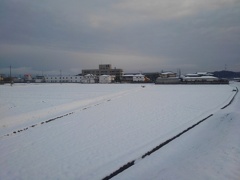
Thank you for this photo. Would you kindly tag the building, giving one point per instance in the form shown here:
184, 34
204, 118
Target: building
28, 78
199, 74
191, 75
167, 78
168, 75
40, 79
63, 79
151, 76
18, 80
138, 78
129, 78
204, 74
202, 78
236, 79
89, 79
199, 77
1, 79
104, 69
105, 79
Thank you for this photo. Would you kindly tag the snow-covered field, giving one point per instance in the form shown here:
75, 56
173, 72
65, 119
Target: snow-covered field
80, 131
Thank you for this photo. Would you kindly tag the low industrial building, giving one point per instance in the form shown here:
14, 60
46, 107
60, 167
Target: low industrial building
170, 80
139, 78
133, 78
168, 75
167, 78
195, 78
63, 79
127, 78
40, 79
201, 78
89, 78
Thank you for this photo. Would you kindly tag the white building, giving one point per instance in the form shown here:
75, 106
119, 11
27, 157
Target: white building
40, 79
63, 79
133, 78
88, 79
127, 78
191, 75
168, 74
138, 78
199, 74
204, 74
105, 79
27, 78
201, 79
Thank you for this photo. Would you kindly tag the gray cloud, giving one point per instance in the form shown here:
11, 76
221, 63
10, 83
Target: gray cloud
133, 35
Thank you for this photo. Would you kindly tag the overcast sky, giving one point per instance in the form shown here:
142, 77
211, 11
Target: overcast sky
135, 35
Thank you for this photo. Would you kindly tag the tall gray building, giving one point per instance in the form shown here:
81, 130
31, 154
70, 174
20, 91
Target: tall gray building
104, 69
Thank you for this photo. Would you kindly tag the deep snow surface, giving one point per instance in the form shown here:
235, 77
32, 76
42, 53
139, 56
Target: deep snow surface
101, 127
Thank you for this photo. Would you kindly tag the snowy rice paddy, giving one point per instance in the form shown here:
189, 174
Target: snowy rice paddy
80, 131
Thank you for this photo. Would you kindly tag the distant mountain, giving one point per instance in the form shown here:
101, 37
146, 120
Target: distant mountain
226, 74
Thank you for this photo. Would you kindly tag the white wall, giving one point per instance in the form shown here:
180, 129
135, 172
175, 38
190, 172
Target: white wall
138, 78
105, 79
63, 79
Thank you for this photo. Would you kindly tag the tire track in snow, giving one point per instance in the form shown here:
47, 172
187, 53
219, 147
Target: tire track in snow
131, 163
70, 113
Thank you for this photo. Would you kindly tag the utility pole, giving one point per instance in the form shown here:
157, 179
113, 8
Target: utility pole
60, 76
179, 73
11, 75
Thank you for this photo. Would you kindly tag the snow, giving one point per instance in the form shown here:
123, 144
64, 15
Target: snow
209, 151
97, 128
